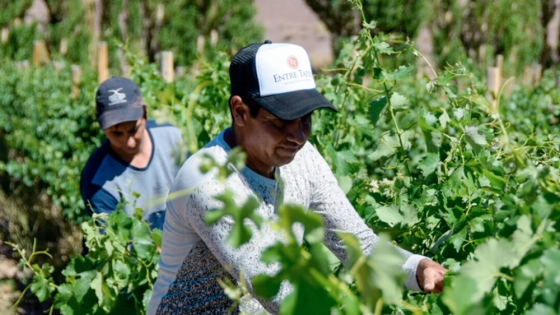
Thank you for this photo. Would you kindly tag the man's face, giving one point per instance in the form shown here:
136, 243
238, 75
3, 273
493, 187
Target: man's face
272, 142
127, 138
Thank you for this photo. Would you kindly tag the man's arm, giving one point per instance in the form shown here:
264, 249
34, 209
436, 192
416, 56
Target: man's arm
339, 215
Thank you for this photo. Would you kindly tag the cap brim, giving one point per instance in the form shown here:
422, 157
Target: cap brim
110, 118
294, 105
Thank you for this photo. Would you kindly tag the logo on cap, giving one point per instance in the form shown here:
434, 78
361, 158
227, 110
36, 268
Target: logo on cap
116, 97
293, 62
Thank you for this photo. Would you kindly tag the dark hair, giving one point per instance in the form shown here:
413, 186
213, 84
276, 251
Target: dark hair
254, 107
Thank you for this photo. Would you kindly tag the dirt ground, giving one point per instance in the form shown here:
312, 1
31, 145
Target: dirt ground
292, 21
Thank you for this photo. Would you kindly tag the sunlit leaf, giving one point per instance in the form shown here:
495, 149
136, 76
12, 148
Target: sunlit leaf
345, 182
387, 146
462, 295
401, 73
429, 164
240, 233
41, 287
475, 138
525, 275
399, 101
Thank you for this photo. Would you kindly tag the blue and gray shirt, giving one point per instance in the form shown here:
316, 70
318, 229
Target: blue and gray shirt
107, 180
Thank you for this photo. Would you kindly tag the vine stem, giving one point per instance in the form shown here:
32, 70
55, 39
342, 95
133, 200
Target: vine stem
21, 296
379, 306
418, 53
358, 264
27, 262
502, 125
348, 85
507, 277
387, 90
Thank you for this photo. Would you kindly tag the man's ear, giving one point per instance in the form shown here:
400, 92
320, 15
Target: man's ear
145, 112
239, 110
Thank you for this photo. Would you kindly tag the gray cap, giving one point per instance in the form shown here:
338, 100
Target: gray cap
118, 100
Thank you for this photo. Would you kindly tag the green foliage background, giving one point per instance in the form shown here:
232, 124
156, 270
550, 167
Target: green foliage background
147, 27
472, 32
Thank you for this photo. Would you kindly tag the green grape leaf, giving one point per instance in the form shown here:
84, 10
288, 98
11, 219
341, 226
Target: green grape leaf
475, 138
375, 109
266, 286
382, 47
549, 260
401, 73
460, 297
121, 269
82, 285
399, 101
96, 285
41, 287
307, 299
496, 181
141, 240
345, 183
444, 119
387, 147
63, 295
240, 233
381, 275
525, 275
312, 222
389, 215
458, 238
343, 161
429, 164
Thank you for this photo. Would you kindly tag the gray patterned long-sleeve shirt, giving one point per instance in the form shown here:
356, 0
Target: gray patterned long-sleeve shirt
194, 255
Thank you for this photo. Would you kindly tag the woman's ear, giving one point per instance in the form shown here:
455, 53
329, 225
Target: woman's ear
239, 110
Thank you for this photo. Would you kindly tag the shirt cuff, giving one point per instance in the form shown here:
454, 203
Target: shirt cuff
410, 266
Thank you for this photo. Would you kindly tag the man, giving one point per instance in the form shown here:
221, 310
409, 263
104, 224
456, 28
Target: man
272, 98
139, 160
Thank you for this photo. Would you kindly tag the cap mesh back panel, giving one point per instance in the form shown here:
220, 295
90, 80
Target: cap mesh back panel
242, 72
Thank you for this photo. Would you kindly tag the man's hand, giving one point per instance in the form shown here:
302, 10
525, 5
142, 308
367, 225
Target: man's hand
429, 275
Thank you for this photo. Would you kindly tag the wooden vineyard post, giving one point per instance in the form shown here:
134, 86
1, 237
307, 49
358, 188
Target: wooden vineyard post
532, 75
506, 89
493, 82
500, 64
40, 53
36, 53
200, 42
102, 62
63, 47
76, 80
537, 74
214, 37
166, 66
5, 34
526, 76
